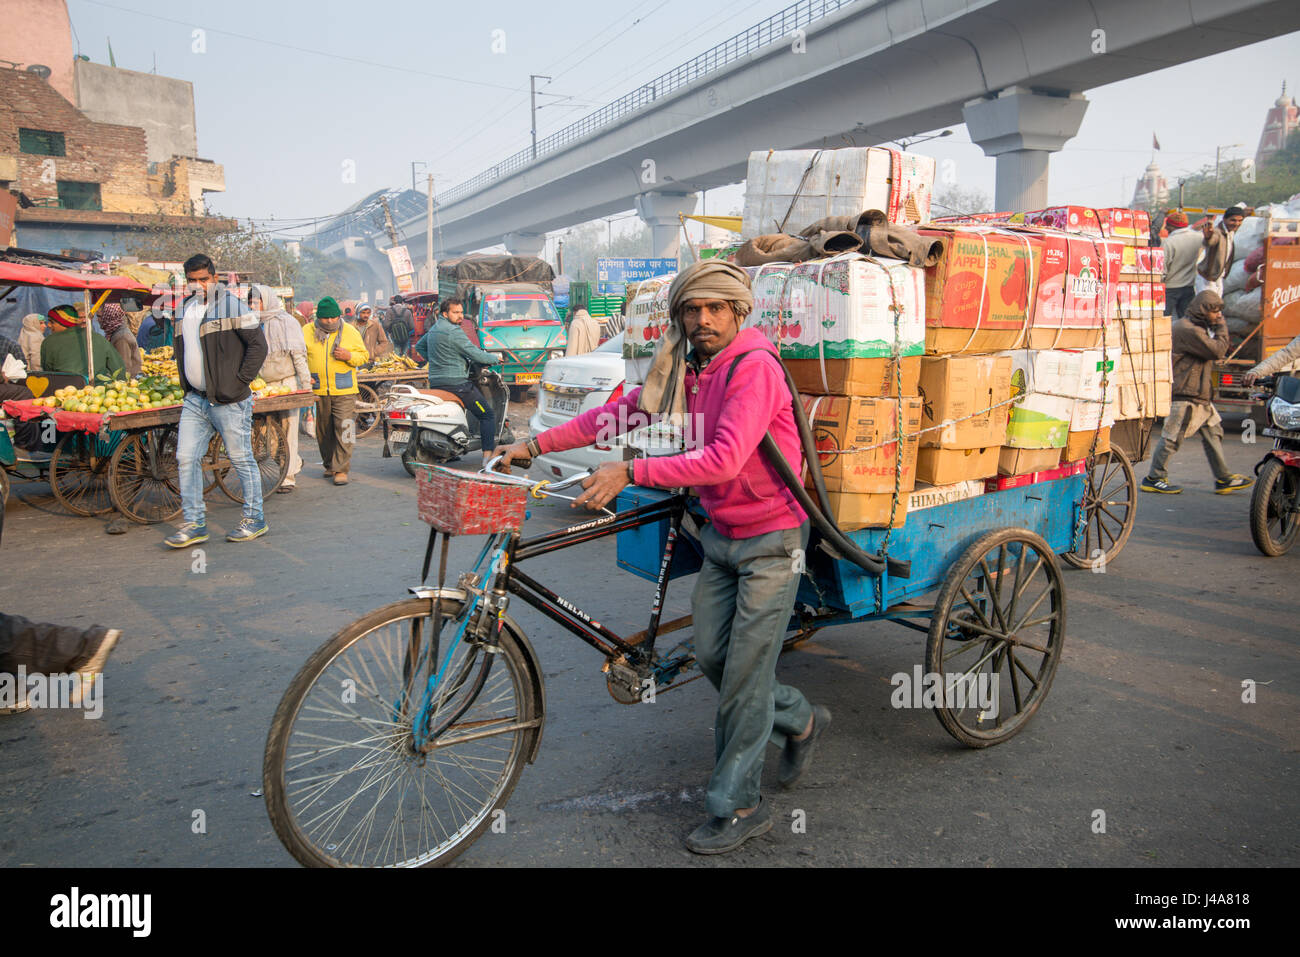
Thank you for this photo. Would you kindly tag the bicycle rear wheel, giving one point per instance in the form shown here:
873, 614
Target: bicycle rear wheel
344, 785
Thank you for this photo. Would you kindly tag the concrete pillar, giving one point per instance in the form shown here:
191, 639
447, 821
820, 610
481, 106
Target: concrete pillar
1020, 128
660, 212
524, 244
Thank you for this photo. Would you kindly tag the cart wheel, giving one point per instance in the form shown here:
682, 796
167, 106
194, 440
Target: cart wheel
367, 410
213, 462
271, 452
143, 479
4, 488
1109, 508
996, 635
344, 784
79, 474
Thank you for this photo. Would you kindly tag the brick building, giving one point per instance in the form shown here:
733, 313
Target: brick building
54, 156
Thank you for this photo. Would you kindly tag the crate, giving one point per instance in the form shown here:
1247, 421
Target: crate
640, 550
1134, 437
462, 503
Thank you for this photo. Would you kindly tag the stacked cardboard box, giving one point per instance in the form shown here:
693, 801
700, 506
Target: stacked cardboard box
862, 461
787, 190
839, 322
964, 417
1145, 370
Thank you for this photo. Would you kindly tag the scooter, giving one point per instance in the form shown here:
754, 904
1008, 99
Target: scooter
1275, 504
430, 427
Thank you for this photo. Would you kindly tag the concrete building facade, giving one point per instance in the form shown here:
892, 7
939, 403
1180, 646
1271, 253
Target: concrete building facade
162, 106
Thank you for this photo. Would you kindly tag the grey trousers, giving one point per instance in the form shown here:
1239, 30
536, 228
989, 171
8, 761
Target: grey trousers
741, 606
43, 648
1171, 438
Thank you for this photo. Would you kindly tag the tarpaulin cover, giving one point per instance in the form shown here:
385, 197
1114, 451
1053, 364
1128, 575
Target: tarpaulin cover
479, 267
23, 275
24, 410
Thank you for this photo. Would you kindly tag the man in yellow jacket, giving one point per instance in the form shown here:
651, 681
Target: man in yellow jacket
334, 352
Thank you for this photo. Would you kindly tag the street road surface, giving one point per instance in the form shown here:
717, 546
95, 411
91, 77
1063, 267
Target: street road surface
1145, 721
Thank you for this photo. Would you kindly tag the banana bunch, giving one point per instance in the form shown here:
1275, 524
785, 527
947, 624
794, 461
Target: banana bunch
162, 352
392, 363
158, 366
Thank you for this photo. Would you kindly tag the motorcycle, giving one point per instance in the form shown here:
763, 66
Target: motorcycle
1275, 504
429, 426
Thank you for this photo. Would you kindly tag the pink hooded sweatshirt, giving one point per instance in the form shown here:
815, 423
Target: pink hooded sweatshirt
741, 492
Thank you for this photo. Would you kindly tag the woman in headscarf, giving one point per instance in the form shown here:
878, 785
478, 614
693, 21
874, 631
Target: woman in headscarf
112, 319
30, 339
285, 365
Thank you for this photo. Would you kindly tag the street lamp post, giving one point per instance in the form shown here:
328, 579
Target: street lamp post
1217, 151
532, 86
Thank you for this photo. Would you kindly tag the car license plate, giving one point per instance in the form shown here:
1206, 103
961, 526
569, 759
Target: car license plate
523, 377
564, 403
399, 436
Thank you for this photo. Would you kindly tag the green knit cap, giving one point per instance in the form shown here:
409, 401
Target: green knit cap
327, 308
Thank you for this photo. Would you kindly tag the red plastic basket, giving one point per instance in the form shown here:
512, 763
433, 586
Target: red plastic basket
461, 503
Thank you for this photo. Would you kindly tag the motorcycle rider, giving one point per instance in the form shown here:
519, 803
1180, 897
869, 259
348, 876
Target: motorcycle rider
449, 352
1282, 359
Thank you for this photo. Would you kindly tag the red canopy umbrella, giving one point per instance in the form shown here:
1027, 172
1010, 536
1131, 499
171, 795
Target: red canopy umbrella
19, 274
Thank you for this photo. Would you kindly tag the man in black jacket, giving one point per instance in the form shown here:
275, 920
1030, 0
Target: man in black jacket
219, 347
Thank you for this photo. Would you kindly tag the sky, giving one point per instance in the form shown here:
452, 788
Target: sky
292, 96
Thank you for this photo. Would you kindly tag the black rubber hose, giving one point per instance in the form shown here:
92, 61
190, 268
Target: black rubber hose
872, 564
809, 445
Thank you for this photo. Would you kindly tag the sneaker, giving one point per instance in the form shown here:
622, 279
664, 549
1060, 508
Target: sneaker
1234, 483
188, 534
248, 529
1160, 485
798, 754
718, 835
94, 667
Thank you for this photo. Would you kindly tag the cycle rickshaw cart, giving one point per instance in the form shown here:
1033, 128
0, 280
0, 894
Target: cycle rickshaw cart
373, 385
402, 735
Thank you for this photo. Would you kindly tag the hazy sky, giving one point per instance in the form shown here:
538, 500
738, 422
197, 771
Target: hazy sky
286, 91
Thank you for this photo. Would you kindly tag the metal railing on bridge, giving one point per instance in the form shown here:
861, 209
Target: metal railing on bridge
777, 28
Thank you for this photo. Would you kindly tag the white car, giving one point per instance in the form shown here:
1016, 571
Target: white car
573, 384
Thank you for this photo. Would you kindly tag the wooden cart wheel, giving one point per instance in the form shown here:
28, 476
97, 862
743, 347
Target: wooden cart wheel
1109, 508
143, 476
996, 634
367, 410
79, 474
271, 452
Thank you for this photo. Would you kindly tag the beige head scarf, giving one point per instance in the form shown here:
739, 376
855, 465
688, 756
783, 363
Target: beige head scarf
664, 390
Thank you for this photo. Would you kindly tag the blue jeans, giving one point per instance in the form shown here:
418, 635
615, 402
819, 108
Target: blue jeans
199, 419
742, 605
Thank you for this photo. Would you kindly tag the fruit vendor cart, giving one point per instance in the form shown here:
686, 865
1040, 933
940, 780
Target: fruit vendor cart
373, 385
454, 701
127, 460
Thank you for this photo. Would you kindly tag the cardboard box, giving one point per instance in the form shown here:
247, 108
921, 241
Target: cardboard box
928, 496
1079, 444
978, 296
828, 318
953, 388
855, 510
840, 423
1143, 399
647, 318
946, 466
1013, 461
1071, 219
861, 377
1076, 287
787, 190
1004, 482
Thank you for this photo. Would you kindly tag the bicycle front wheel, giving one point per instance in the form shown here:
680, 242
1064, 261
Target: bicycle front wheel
344, 784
